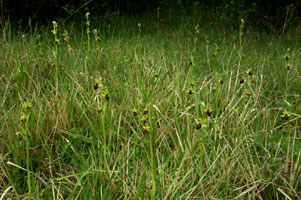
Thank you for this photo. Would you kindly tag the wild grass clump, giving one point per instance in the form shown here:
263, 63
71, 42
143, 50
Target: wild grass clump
158, 111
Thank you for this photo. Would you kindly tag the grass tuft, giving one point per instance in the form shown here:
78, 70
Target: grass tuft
168, 110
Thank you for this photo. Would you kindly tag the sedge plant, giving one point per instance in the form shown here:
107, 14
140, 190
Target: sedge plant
25, 115
55, 54
148, 129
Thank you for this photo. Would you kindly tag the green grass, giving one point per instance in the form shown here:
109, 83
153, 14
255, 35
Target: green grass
167, 112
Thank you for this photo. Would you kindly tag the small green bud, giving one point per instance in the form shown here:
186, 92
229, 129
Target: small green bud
27, 105
24, 116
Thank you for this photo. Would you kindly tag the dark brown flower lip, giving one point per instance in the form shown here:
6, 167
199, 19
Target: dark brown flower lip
208, 113
288, 67
95, 86
20, 137
198, 126
33, 152
145, 131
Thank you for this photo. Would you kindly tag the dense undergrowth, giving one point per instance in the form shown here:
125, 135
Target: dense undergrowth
160, 107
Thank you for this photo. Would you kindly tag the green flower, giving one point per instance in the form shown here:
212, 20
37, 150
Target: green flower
139, 27
54, 24
105, 94
144, 119
286, 114
214, 88
98, 81
146, 129
288, 66
24, 116
69, 48
66, 37
242, 80
134, 111
57, 41
27, 105
54, 28
191, 61
196, 29
246, 92
100, 108
201, 123
19, 135
208, 110
249, 72
190, 91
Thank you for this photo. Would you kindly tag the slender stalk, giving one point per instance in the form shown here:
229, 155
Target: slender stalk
27, 159
151, 136
207, 52
286, 84
241, 32
88, 30
104, 135
56, 69
55, 55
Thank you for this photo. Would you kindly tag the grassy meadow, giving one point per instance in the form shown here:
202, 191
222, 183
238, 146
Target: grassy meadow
159, 106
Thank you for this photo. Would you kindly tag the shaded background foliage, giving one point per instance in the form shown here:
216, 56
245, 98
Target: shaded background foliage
264, 14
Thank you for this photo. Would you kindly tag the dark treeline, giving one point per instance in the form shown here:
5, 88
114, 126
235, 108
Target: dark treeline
257, 12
